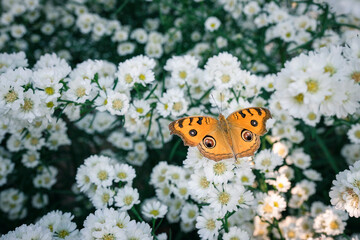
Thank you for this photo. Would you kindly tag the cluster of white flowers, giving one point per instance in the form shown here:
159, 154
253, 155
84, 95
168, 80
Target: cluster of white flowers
322, 83
108, 223
12, 202
351, 153
107, 183
345, 192
172, 188
6, 167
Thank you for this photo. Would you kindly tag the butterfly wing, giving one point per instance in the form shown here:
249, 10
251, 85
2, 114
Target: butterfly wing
245, 127
252, 119
206, 134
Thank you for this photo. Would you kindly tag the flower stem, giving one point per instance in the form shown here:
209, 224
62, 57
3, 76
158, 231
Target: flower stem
325, 150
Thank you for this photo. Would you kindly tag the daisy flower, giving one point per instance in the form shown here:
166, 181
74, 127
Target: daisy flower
126, 198
207, 224
212, 24
354, 133
117, 103
236, 233
153, 209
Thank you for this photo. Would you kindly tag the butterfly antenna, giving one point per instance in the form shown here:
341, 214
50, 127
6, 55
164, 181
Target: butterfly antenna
215, 103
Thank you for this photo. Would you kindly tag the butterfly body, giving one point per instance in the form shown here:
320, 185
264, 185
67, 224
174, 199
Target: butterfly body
235, 136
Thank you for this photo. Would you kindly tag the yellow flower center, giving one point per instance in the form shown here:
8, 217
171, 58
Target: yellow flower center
142, 77
128, 200
191, 214
267, 208
50, 104
299, 98
49, 91
225, 78
154, 212
224, 198
266, 162
28, 105
204, 183
63, 233
219, 168
80, 92
105, 197
311, 116
178, 106
122, 175
139, 110
128, 78
183, 191
291, 234
357, 134
11, 96
182, 74
102, 175
334, 225
117, 104
312, 86
244, 179
329, 69
166, 190
34, 141
108, 236
210, 224
356, 76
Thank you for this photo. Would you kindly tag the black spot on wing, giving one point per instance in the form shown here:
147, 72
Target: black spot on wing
199, 121
191, 119
258, 111
248, 110
180, 122
243, 115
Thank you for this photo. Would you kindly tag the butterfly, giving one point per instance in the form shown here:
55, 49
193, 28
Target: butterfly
236, 136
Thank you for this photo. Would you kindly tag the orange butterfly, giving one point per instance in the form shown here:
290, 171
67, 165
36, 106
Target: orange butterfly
236, 136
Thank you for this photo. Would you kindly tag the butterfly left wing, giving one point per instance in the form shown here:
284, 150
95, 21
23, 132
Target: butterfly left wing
246, 126
206, 134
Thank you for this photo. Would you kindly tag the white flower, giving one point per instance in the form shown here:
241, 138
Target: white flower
299, 158
329, 223
39, 200
266, 161
312, 175
102, 175
125, 48
126, 198
271, 206
124, 173
224, 199
103, 197
236, 233
153, 209
199, 185
282, 183
31, 159
18, 31
117, 103
212, 24
219, 172
354, 133
207, 224
189, 212
79, 90
251, 8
